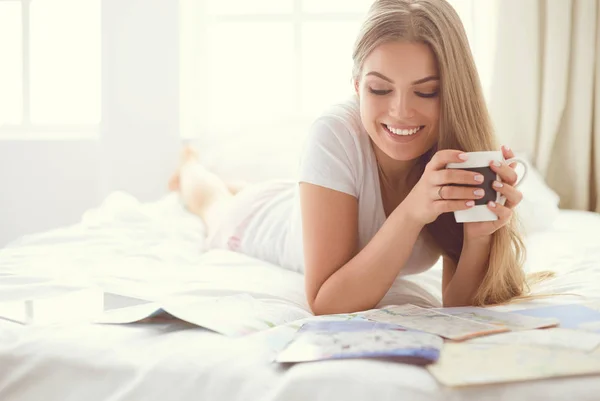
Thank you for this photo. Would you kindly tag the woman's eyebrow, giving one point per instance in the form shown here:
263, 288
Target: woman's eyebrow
426, 79
417, 82
379, 75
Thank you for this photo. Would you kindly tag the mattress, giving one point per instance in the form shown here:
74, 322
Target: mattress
155, 251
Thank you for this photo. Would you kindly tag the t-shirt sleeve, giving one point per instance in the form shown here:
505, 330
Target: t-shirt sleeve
330, 157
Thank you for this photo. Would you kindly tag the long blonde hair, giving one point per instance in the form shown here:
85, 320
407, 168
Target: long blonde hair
464, 124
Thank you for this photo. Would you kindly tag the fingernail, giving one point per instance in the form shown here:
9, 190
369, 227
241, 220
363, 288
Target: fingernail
498, 184
506, 147
479, 192
492, 204
497, 163
479, 178
471, 203
463, 156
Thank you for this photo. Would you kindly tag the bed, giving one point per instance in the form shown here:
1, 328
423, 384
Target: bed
155, 250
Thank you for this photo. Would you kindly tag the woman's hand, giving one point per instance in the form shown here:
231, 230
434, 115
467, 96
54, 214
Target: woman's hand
439, 189
513, 198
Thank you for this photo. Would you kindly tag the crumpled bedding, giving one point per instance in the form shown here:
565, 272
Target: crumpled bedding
156, 251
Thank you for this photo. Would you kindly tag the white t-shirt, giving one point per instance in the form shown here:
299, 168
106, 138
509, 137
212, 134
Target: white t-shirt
338, 154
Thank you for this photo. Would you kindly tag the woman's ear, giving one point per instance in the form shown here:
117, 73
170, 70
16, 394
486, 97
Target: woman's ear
356, 84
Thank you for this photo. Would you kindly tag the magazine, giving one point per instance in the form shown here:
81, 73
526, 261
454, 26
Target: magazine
470, 363
324, 340
511, 321
432, 321
571, 316
234, 316
555, 337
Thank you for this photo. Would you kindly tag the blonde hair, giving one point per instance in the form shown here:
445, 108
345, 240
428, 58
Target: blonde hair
464, 124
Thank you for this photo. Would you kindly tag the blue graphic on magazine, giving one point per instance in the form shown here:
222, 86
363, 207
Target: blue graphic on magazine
361, 339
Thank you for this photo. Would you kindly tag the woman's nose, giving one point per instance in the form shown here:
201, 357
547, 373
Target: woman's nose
402, 107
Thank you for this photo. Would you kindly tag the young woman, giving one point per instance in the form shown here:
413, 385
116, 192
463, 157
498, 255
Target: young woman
373, 200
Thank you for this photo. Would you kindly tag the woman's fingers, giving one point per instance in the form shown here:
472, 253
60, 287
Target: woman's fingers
450, 192
512, 195
447, 206
507, 152
457, 177
504, 214
444, 157
507, 174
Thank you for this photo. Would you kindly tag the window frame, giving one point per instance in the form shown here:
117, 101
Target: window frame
197, 13
26, 130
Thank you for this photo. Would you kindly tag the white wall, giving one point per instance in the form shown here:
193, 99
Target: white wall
47, 184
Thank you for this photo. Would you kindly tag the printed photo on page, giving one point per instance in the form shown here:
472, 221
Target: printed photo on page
360, 339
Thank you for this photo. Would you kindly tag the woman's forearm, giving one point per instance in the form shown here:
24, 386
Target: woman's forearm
471, 269
362, 282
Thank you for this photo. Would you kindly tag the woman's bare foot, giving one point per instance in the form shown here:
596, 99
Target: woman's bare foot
188, 154
203, 192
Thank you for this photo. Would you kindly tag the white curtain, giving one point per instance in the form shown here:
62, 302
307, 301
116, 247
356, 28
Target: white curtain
545, 91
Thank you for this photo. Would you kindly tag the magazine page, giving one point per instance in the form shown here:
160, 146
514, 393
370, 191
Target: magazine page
511, 321
229, 315
468, 364
571, 316
360, 339
432, 321
549, 338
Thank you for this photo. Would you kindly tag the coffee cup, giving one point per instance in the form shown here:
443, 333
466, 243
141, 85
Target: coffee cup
480, 162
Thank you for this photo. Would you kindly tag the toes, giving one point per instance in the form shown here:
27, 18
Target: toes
188, 153
174, 182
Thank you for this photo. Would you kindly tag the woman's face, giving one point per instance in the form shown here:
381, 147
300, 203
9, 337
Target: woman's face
399, 99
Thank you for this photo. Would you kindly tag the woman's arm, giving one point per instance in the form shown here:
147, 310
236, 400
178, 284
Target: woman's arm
338, 279
460, 283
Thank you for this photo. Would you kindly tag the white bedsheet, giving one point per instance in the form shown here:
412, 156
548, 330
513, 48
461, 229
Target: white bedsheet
155, 251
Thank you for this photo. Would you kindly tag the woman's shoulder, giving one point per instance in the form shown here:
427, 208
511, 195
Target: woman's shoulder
343, 116
341, 123
335, 153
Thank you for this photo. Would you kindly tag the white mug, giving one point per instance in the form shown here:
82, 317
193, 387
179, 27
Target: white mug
480, 162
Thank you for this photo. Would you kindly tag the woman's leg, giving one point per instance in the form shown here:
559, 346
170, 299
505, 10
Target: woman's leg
203, 192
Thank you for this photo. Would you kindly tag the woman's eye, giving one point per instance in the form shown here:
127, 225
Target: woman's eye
427, 94
379, 92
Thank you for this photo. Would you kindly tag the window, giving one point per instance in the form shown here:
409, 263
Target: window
50, 69
255, 66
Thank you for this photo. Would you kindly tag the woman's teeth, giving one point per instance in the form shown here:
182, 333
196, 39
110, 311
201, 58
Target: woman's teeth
404, 132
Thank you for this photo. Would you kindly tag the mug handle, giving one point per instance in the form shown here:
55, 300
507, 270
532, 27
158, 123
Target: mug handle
502, 199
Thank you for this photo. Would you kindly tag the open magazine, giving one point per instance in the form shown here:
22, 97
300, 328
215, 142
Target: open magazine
460, 323
472, 363
511, 321
234, 316
324, 340
571, 316
432, 321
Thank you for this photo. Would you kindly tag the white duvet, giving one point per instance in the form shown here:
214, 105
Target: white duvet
155, 251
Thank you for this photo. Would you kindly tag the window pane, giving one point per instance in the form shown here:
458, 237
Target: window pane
11, 67
249, 73
65, 61
336, 6
249, 6
327, 63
